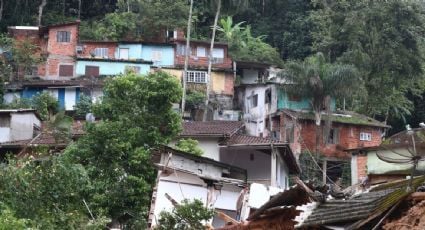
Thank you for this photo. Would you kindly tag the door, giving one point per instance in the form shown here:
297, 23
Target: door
124, 53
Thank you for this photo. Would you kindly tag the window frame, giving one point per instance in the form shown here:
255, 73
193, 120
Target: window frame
199, 77
198, 48
104, 52
365, 136
68, 66
61, 38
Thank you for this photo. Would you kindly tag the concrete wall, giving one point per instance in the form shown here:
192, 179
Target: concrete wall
282, 173
255, 117
4, 134
109, 68
250, 76
209, 145
67, 97
257, 164
9, 97
21, 126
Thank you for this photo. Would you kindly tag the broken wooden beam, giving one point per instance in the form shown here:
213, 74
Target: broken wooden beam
227, 219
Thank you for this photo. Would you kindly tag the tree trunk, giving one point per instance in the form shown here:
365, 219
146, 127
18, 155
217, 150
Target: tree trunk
1, 9
40, 11
186, 56
210, 59
79, 9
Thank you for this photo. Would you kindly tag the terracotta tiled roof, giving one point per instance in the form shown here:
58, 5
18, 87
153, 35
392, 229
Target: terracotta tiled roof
245, 139
211, 128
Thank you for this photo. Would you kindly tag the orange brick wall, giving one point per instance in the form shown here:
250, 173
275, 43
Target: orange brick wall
63, 48
89, 47
202, 62
361, 166
349, 138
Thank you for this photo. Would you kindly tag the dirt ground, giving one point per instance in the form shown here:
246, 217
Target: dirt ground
413, 219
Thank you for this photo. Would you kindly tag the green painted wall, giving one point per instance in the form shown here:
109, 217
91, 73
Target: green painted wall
283, 102
377, 166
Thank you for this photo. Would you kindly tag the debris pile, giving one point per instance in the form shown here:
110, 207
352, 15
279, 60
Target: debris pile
413, 219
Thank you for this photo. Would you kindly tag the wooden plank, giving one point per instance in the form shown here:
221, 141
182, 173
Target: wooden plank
226, 218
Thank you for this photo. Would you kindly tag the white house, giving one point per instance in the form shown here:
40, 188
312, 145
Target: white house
18, 124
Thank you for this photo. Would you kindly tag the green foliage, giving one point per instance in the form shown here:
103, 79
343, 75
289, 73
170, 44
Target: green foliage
83, 106
137, 116
115, 26
59, 125
47, 193
319, 81
45, 104
243, 46
18, 103
187, 215
194, 99
8, 220
383, 39
190, 146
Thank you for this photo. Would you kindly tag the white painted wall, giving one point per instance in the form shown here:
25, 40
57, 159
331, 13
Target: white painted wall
4, 134
282, 173
70, 96
21, 125
191, 187
255, 117
208, 144
10, 96
258, 169
354, 175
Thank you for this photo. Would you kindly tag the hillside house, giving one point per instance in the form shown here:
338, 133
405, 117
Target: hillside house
18, 124
367, 165
186, 176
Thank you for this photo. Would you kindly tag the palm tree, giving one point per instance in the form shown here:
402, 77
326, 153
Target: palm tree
319, 81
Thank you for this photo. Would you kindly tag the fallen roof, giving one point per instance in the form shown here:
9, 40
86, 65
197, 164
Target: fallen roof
343, 117
211, 128
358, 210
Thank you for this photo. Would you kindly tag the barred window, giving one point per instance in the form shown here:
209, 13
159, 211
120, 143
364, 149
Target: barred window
196, 76
101, 52
63, 36
365, 136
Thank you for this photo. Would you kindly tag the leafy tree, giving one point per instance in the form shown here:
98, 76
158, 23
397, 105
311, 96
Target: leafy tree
136, 116
83, 106
8, 220
45, 104
195, 99
46, 194
243, 46
383, 40
190, 146
185, 216
321, 81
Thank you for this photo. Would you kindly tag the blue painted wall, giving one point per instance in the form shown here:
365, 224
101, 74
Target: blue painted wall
167, 54
134, 51
28, 93
109, 68
283, 102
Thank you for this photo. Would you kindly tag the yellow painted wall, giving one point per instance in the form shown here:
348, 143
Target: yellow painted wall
217, 81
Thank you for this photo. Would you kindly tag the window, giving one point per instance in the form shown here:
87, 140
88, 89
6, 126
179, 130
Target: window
66, 70
289, 133
268, 96
63, 36
218, 53
181, 50
101, 52
124, 53
333, 136
201, 51
196, 76
254, 100
171, 34
5, 120
92, 71
132, 69
365, 136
